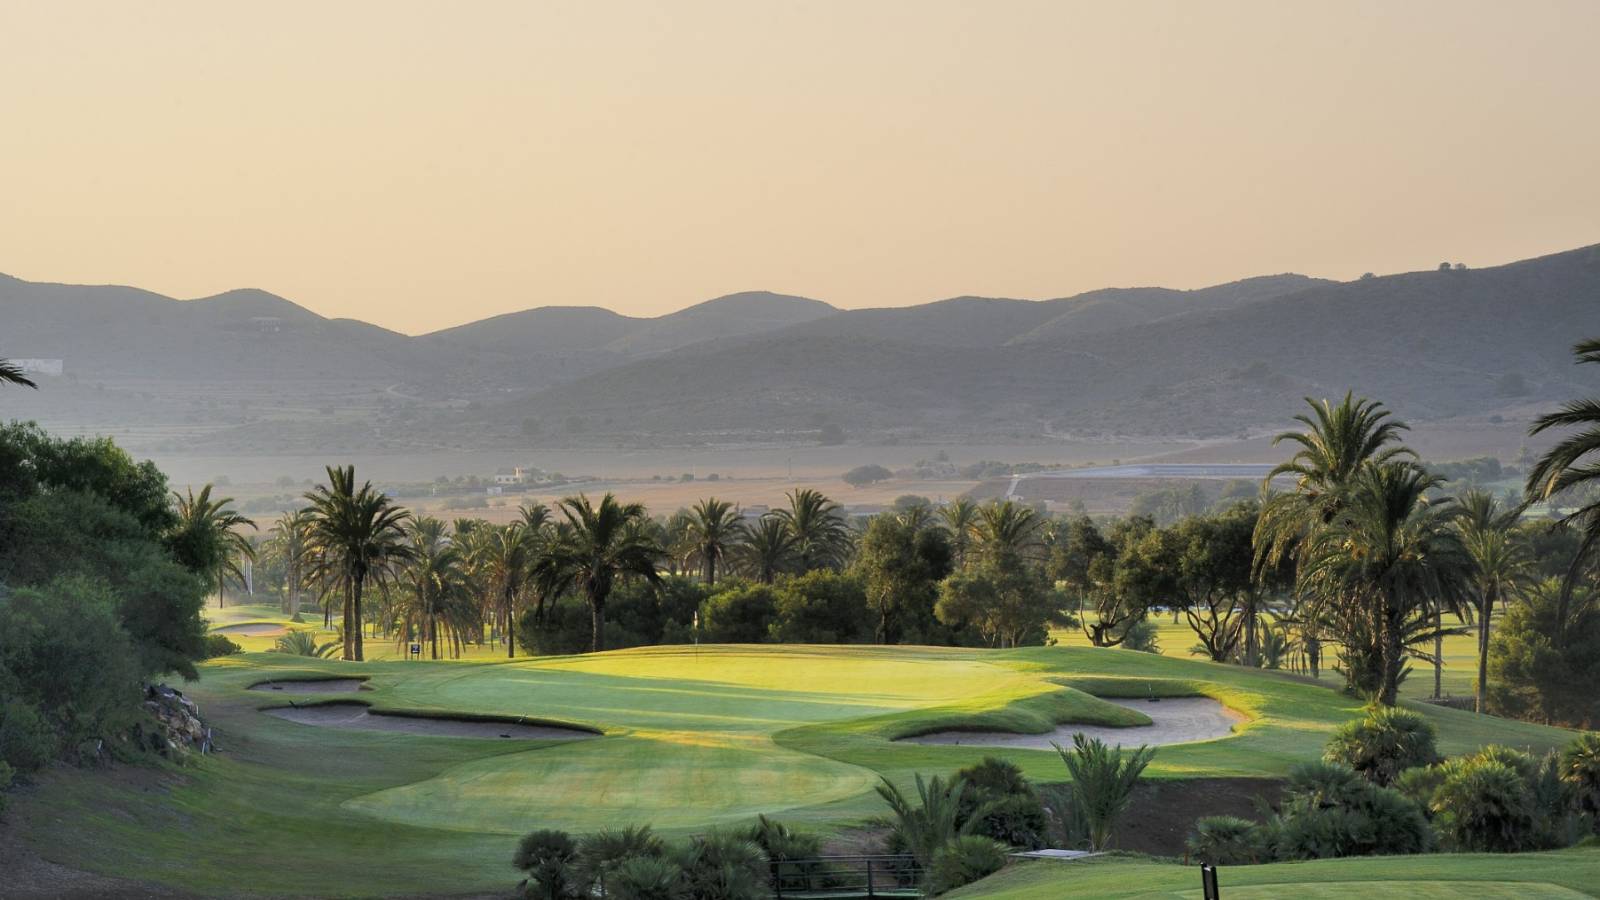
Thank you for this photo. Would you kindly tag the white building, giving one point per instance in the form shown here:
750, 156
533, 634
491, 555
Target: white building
39, 366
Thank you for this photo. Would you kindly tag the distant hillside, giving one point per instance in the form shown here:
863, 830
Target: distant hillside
1430, 344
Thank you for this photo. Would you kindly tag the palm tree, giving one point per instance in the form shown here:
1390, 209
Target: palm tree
1382, 565
713, 528
11, 373
1007, 532
506, 558
1573, 463
926, 828
358, 536
821, 535
960, 518
1500, 566
290, 541
1339, 440
207, 536
766, 549
600, 544
436, 600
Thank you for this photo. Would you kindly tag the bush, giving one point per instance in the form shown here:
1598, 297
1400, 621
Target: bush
26, 740
1005, 805
1533, 676
793, 854
547, 856
646, 878
1580, 770
68, 657
602, 853
724, 866
219, 645
1142, 636
1102, 783
739, 614
1385, 743
1329, 811
964, 860
1485, 805
1226, 841
819, 607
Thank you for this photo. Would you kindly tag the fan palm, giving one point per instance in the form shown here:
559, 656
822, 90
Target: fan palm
1382, 565
11, 373
766, 549
821, 535
1573, 463
358, 536
1501, 564
208, 536
960, 518
713, 528
601, 543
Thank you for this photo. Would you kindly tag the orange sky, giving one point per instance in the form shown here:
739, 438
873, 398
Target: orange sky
423, 164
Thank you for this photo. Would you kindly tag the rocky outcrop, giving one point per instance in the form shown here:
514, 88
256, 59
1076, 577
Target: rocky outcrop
178, 726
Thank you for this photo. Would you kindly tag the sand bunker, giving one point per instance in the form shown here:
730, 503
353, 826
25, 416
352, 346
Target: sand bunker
1175, 720
358, 717
311, 686
257, 629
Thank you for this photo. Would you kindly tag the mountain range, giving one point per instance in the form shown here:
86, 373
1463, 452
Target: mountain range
1215, 361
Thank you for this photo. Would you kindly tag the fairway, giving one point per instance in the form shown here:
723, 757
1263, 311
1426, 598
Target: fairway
690, 738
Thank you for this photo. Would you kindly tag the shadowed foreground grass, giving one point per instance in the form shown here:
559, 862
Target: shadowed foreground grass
1533, 876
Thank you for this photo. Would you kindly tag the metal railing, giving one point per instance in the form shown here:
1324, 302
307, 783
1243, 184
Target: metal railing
840, 877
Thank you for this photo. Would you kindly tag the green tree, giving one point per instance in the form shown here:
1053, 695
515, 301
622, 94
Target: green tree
861, 476
207, 539
817, 526
290, 541
1573, 463
1501, 566
1005, 606
1533, 674
601, 543
1102, 783
820, 607
714, 527
1383, 565
765, 550
900, 567
358, 537
960, 518
1008, 533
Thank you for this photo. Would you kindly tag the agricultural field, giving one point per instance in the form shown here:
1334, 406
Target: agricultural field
685, 738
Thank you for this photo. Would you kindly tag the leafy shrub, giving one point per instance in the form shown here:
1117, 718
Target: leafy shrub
793, 854
1143, 636
965, 860
1420, 785
646, 878
304, 643
1226, 841
602, 853
1102, 783
820, 607
26, 741
1004, 803
219, 645
739, 614
1385, 743
1485, 805
547, 856
1329, 811
68, 657
1580, 770
1533, 676
724, 866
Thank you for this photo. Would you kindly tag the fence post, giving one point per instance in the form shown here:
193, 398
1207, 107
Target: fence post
870, 893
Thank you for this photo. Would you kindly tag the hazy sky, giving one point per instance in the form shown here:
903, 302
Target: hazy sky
424, 164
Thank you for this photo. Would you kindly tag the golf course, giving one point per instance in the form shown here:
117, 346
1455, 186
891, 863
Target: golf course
680, 737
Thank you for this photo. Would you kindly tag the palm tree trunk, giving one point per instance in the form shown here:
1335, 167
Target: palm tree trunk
221, 577
350, 634
1393, 660
356, 611
1438, 648
1480, 702
597, 621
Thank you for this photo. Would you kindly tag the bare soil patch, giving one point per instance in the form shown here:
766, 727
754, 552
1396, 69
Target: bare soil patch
1174, 720
356, 716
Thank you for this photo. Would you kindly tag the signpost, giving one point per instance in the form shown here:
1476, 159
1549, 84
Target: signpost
1208, 882
416, 650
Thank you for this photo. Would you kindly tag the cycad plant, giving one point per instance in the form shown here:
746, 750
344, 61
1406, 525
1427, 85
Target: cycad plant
1102, 783
304, 643
935, 820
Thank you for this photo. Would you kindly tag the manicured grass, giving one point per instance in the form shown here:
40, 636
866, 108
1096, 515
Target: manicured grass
1535, 876
692, 738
